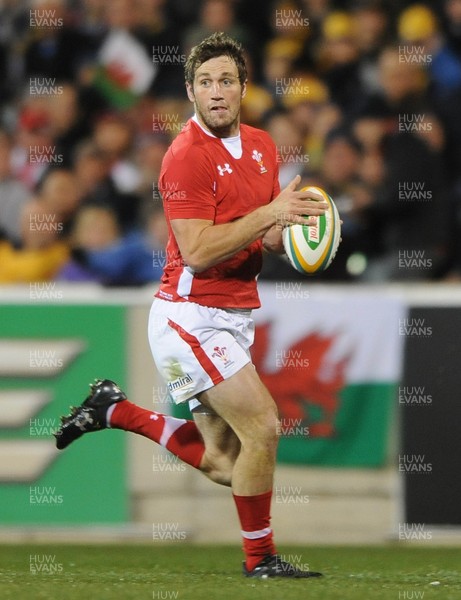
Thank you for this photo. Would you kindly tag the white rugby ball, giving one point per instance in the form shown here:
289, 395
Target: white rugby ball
311, 248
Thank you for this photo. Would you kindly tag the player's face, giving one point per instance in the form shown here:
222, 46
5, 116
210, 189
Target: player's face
217, 94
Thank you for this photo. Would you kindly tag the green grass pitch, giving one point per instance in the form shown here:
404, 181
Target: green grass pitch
188, 572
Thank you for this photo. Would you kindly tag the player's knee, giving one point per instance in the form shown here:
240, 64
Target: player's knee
262, 435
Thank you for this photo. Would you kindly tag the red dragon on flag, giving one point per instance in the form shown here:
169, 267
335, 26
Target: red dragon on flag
301, 393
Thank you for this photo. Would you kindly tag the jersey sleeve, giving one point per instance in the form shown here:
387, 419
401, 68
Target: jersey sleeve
187, 188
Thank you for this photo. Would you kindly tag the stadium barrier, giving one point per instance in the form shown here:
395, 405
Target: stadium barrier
345, 363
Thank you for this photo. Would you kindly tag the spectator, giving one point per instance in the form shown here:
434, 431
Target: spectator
373, 33
149, 155
288, 139
13, 194
162, 38
403, 93
339, 62
257, 101
92, 22
313, 114
414, 223
101, 253
53, 47
422, 40
42, 252
339, 174
280, 55
114, 137
156, 235
92, 169
215, 15
65, 121
59, 196
33, 145
452, 24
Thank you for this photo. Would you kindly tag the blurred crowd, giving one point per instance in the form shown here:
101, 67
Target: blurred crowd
362, 97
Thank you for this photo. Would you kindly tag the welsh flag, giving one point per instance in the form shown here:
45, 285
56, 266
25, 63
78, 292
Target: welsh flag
332, 360
125, 71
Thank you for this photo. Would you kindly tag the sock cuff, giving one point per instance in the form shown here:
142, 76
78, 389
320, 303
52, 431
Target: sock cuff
110, 410
256, 535
264, 496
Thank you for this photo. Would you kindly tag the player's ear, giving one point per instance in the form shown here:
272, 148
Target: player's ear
190, 92
244, 89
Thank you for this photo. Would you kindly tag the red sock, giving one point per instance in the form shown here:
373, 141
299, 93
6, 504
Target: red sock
254, 514
179, 436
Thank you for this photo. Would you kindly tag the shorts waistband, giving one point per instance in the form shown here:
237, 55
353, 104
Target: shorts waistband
246, 312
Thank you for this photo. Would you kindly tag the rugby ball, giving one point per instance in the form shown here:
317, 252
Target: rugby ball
311, 248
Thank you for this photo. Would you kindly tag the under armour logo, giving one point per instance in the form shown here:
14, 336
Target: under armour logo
225, 169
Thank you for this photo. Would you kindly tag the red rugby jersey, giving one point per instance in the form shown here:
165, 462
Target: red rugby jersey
200, 179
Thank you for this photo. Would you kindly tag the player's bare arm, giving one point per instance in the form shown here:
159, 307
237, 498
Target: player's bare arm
204, 244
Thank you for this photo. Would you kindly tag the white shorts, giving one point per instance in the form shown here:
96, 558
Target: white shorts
196, 347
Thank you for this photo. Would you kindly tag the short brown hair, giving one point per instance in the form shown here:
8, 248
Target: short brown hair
217, 44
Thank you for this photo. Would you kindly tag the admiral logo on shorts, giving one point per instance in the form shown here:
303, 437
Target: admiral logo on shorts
179, 383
